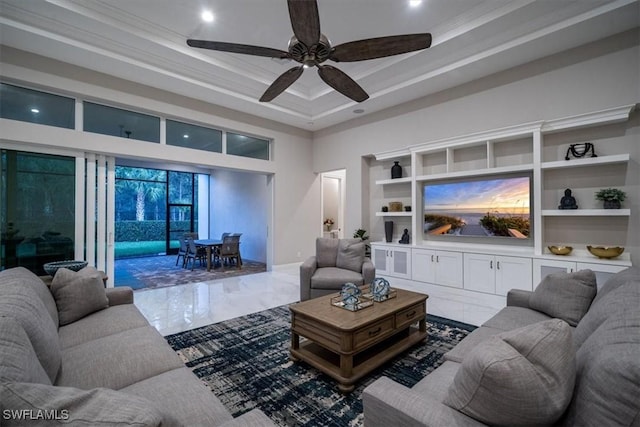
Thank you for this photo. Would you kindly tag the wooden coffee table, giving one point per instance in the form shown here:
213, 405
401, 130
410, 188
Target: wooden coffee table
348, 345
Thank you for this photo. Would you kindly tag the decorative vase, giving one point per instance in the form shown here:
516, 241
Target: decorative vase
388, 231
612, 204
396, 170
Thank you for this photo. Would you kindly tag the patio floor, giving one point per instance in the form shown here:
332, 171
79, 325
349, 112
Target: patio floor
161, 271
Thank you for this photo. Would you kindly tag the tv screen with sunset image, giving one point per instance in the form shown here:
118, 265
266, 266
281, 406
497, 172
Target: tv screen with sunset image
492, 207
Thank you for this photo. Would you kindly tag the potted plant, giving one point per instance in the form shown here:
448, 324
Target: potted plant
362, 234
612, 197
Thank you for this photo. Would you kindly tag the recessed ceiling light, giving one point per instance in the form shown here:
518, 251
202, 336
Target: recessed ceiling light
358, 111
415, 3
207, 16
185, 136
35, 110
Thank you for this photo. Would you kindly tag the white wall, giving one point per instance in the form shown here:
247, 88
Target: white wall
296, 189
590, 78
240, 204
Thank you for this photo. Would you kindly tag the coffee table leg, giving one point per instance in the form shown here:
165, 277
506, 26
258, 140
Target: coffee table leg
295, 345
346, 369
422, 325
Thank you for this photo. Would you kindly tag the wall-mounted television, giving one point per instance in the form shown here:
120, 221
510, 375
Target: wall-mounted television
486, 207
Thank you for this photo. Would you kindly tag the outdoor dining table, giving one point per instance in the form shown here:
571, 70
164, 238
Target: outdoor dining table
209, 245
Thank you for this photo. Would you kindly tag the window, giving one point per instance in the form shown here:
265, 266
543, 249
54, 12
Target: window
37, 209
192, 136
26, 105
247, 146
123, 123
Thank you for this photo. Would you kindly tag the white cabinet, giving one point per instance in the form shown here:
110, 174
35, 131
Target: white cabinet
391, 260
543, 267
496, 274
437, 267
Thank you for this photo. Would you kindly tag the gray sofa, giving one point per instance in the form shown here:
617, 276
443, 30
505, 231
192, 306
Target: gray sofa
562, 355
79, 354
336, 262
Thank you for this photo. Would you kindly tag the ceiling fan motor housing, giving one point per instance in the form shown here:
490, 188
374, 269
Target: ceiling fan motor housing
310, 56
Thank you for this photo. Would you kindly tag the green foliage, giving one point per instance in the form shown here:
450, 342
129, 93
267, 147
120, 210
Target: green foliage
500, 226
611, 194
142, 231
360, 233
436, 221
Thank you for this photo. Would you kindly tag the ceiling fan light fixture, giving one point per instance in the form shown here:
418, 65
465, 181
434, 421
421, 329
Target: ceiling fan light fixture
207, 16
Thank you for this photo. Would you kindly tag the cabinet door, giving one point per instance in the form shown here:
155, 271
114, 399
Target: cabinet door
513, 273
379, 258
423, 265
603, 271
400, 263
479, 273
543, 267
449, 269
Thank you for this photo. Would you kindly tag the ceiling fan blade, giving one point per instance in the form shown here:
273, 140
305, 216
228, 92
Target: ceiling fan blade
342, 83
379, 47
285, 80
305, 21
239, 48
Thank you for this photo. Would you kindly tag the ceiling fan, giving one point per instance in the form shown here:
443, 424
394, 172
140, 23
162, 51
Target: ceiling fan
310, 47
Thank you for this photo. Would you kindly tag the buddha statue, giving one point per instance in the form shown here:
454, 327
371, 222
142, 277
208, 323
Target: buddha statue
568, 201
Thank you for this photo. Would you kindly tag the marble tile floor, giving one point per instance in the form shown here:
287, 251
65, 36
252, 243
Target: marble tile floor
183, 307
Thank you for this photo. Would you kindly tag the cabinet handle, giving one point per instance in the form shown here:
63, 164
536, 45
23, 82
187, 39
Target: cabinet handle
491, 264
376, 332
431, 258
437, 258
498, 265
410, 315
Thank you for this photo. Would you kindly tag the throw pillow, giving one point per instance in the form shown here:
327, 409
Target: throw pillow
566, 296
45, 405
78, 294
520, 377
350, 255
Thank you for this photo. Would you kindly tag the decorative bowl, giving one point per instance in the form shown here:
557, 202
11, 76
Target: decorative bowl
560, 250
51, 267
606, 252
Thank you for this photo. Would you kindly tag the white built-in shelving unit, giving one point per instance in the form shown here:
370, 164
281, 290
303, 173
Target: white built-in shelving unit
538, 148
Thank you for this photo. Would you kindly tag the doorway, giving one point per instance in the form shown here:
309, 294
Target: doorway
332, 203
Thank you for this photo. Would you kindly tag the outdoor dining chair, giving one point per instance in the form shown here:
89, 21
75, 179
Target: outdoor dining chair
195, 253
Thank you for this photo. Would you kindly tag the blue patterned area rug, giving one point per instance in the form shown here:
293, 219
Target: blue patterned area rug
245, 362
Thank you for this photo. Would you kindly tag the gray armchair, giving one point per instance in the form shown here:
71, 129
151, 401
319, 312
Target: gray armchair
337, 261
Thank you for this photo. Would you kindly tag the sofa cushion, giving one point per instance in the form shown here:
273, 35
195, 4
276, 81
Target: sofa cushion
566, 296
524, 376
117, 360
510, 318
22, 304
468, 343
334, 278
18, 359
78, 293
71, 406
194, 405
631, 274
436, 384
326, 252
608, 367
350, 254
101, 324
27, 278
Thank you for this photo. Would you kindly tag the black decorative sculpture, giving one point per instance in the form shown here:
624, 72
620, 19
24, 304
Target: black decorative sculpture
405, 237
568, 201
396, 170
580, 150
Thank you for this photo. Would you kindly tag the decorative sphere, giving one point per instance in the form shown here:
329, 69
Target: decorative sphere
380, 287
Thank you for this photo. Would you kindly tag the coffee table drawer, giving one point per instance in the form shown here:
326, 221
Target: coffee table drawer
410, 315
372, 333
